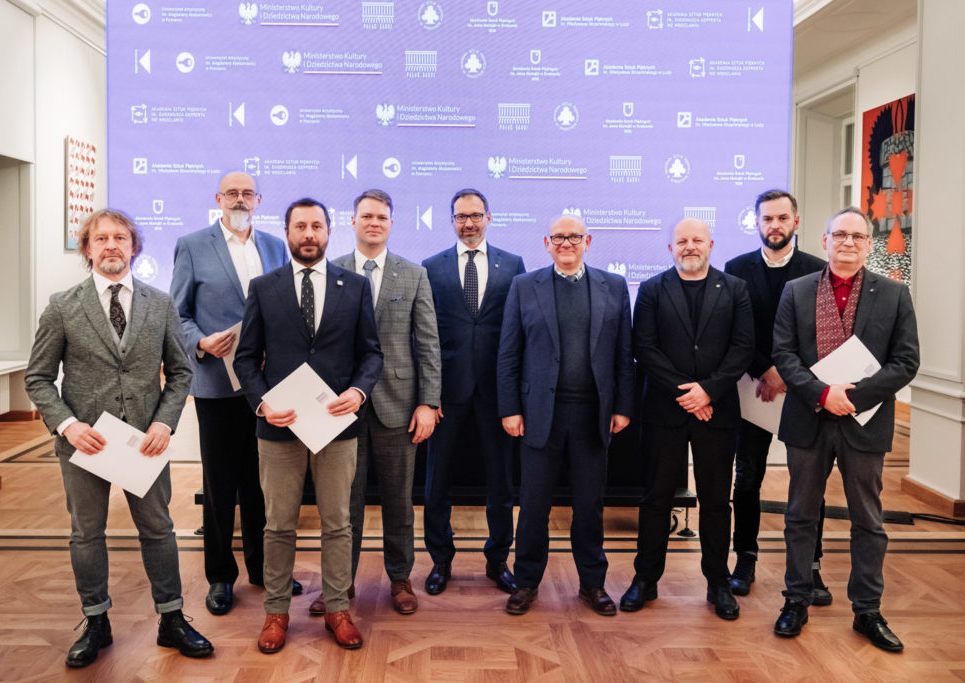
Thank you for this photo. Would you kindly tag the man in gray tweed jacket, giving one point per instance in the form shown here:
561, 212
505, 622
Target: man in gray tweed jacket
114, 336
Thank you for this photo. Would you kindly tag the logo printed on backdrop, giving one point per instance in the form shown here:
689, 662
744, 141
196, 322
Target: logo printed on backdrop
420, 63
138, 113
738, 161
626, 168
214, 215
655, 19
707, 214
279, 115
292, 61
684, 119
423, 218
142, 61
566, 116
747, 221
351, 167
617, 268
572, 211
139, 166
677, 168
378, 15
158, 206
698, 67
512, 116
549, 19
591, 67
141, 13
385, 113
248, 11
146, 269
628, 109
492, 8
473, 63
252, 166
430, 15
391, 167
535, 56
236, 114
756, 20
497, 166
185, 62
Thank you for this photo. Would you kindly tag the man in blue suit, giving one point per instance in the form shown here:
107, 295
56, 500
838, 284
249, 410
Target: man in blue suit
308, 311
212, 269
565, 377
469, 286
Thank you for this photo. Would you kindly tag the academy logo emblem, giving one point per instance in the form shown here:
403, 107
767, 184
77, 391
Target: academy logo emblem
473, 63
747, 221
430, 15
385, 113
292, 61
497, 166
146, 268
566, 116
677, 168
572, 211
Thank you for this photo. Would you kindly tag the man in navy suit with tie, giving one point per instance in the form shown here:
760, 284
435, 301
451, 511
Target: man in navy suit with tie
212, 269
469, 285
565, 385
308, 311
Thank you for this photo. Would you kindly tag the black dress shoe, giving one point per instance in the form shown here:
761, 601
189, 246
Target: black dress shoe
97, 634
598, 601
743, 574
820, 595
725, 604
637, 595
174, 631
438, 577
296, 588
499, 572
521, 600
220, 598
874, 627
794, 615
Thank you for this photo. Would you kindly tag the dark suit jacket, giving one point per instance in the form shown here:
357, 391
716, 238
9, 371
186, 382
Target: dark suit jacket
884, 322
469, 347
529, 351
344, 351
670, 352
207, 293
750, 268
75, 332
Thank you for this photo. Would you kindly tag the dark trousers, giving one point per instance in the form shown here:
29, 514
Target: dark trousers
574, 443
753, 444
392, 454
861, 476
447, 446
713, 452
229, 461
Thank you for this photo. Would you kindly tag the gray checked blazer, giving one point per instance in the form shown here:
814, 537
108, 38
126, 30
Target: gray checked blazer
98, 377
406, 321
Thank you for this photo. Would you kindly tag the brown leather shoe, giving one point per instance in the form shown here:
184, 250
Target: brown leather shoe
598, 601
521, 600
317, 608
272, 637
403, 599
341, 626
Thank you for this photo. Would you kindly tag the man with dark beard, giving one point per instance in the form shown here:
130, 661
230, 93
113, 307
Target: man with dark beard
212, 269
766, 271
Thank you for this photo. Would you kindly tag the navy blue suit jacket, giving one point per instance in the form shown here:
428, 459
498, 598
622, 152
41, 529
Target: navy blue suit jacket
469, 347
529, 351
344, 351
207, 293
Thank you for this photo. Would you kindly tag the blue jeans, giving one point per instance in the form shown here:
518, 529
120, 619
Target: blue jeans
87, 501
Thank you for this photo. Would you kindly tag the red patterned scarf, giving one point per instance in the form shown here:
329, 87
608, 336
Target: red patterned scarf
834, 328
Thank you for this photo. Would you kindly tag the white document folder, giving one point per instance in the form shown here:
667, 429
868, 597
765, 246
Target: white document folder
848, 364
308, 395
754, 410
121, 461
229, 358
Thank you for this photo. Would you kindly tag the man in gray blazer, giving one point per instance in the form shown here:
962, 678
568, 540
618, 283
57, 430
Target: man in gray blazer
212, 268
816, 315
402, 412
114, 336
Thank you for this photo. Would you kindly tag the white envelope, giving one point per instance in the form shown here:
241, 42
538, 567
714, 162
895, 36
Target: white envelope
848, 364
308, 395
229, 358
754, 410
121, 462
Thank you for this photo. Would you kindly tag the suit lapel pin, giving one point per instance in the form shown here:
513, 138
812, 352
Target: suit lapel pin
338, 283
717, 285
496, 265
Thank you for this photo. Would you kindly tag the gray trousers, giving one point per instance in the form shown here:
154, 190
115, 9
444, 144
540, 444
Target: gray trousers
392, 453
282, 466
861, 475
88, 497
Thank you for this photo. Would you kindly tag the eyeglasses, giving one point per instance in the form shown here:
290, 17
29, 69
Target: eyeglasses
840, 236
461, 218
247, 195
572, 239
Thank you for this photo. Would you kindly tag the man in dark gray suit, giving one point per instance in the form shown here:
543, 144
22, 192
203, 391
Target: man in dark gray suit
817, 314
402, 410
114, 336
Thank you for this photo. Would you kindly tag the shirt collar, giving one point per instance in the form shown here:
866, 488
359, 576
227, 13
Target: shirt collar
101, 283
321, 267
838, 281
577, 276
361, 258
780, 263
461, 248
228, 235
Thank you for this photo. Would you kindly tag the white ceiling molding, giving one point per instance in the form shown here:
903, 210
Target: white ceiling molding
805, 8
84, 19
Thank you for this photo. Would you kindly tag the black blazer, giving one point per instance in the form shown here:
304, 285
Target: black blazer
750, 268
670, 352
884, 322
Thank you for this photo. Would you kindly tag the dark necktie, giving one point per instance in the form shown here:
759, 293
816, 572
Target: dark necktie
368, 267
470, 286
308, 301
118, 319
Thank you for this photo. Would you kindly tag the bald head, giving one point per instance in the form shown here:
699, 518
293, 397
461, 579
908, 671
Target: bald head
238, 198
690, 246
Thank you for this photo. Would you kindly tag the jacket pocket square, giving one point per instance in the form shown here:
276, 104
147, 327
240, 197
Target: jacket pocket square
398, 298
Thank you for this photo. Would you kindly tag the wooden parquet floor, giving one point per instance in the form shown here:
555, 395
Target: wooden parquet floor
464, 634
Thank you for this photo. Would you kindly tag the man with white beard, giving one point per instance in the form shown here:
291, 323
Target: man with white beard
212, 268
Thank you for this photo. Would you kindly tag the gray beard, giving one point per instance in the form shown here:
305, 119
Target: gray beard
239, 221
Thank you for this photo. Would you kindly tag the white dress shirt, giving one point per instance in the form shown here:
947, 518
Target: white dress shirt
482, 266
377, 272
244, 256
780, 263
318, 277
125, 296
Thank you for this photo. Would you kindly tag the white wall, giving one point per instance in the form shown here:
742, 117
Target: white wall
16, 83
